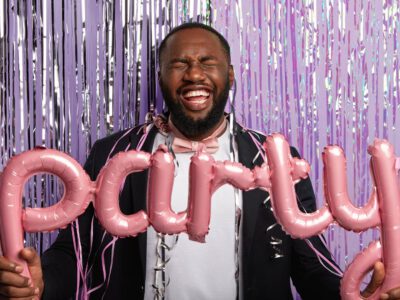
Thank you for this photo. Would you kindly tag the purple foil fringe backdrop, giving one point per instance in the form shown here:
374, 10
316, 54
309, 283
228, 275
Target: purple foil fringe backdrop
320, 72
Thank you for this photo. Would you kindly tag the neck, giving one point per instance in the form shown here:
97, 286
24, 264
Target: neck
215, 131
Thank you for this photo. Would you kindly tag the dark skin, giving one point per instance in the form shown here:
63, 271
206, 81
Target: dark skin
15, 286
194, 60
194, 73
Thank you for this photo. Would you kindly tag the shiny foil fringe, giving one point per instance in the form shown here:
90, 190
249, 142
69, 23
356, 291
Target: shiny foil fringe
320, 72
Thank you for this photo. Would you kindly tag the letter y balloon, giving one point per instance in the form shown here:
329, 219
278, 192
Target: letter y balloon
382, 209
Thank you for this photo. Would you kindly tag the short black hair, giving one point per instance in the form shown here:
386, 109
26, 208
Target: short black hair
224, 42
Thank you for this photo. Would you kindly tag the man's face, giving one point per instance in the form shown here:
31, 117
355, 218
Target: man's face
195, 77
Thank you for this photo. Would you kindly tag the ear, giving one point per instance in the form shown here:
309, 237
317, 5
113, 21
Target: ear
231, 74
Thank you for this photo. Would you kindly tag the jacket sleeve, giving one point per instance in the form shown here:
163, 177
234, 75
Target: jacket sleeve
59, 261
311, 278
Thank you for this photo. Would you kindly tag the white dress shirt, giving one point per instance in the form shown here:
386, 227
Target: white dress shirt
197, 270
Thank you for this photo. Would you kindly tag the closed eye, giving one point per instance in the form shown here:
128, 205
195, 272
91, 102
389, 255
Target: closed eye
178, 63
209, 61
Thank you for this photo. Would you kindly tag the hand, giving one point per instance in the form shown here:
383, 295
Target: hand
376, 281
13, 285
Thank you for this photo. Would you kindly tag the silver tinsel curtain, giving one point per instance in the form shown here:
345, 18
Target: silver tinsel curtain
320, 72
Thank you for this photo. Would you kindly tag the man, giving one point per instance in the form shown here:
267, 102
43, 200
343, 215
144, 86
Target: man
195, 77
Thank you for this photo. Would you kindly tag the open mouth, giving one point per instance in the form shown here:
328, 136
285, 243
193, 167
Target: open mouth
196, 99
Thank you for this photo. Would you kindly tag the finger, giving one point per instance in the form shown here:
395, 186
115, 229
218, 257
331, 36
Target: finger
10, 266
376, 280
13, 279
30, 256
35, 267
15, 292
394, 293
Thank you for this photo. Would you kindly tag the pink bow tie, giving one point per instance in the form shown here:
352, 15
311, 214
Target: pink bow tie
181, 145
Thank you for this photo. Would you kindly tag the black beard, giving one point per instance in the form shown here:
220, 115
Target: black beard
194, 128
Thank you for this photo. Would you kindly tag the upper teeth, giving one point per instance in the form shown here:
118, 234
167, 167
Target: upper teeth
197, 93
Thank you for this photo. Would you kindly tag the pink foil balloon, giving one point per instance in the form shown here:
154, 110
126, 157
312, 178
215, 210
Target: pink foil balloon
206, 176
278, 176
357, 270
284, 171
261, 177
161, 180
200, 191
382, 209
233, 173
77, 195
384, 200
388, 191
335, 188
109, 183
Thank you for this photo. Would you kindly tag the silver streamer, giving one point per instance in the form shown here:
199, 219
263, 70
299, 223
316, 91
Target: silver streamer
162, 253
320, 72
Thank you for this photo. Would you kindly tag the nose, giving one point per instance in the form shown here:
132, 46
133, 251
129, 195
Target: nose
194, 73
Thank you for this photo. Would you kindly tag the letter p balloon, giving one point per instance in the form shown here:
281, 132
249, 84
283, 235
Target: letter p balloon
78, 192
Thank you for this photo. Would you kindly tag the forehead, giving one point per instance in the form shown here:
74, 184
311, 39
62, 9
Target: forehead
193, 41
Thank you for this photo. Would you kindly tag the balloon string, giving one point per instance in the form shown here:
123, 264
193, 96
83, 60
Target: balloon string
323, 241
114, 240
103, 266
144, 136
90, 246
79, 265
258, 145
321, 256
317, 253
101, 242
81, 260
116, 143
87, 271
